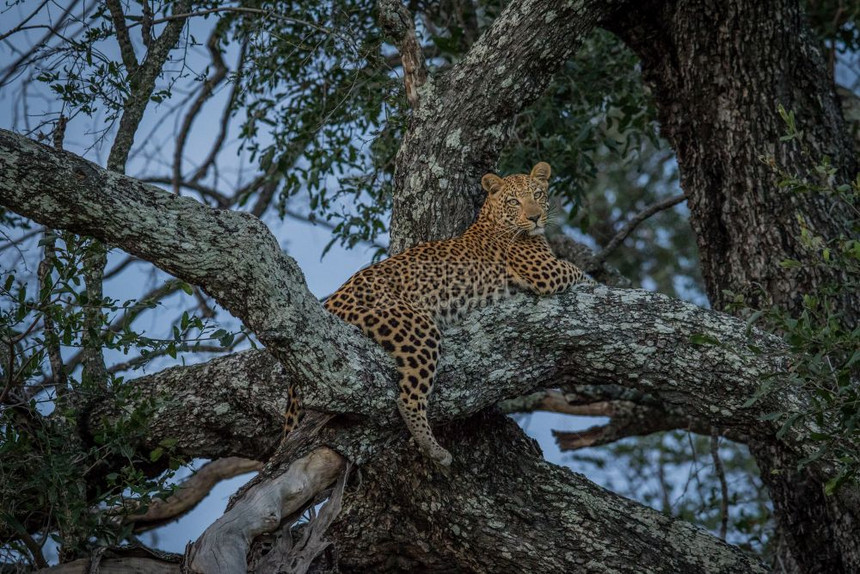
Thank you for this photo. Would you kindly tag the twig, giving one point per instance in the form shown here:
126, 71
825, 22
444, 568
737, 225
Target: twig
21, 25
238, 9
126, 49
10, 70
205, 93
634, 223
203, 168
142, 86
724, 487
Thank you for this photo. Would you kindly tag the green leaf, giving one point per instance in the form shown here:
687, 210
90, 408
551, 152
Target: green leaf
703, 339
786, 426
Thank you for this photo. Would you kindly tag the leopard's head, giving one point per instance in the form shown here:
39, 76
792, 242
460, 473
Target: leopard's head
519, 202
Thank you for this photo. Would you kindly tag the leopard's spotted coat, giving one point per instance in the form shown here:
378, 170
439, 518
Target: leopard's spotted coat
401, 301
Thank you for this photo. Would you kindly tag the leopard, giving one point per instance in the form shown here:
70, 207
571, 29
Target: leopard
403, 302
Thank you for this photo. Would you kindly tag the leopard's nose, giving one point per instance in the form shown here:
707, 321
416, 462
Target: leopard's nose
534, 218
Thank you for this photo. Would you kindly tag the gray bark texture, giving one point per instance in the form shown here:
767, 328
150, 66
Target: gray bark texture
464, 115
719, 69
599, 336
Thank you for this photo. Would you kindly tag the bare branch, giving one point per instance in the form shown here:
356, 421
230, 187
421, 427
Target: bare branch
23, 22
12, 69
194, 489
203, 168
634, 222
238, 10
225, 544
206, 90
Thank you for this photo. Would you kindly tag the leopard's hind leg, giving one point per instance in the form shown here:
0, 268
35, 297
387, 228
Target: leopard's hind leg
417, 355
414, 340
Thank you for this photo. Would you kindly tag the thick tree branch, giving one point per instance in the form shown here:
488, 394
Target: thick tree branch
231, 255
466, 113
589, 335
501, 509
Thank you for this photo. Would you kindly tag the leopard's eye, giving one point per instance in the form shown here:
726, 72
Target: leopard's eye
513, 202
539, 194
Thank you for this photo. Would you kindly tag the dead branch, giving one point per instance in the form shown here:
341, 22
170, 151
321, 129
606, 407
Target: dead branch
224, 545
194, 489
399, 23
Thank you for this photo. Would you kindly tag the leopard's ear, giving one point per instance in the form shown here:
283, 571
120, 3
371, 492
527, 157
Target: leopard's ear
491, 183
541, 172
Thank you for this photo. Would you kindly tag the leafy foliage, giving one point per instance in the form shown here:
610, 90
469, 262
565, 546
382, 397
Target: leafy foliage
47, 476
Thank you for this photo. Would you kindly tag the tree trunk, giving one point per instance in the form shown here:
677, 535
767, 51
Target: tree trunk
505, 509
464, 115
719, 70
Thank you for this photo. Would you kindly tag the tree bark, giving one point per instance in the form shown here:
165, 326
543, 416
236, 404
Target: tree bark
597, 336
719, 70
697, 361
505, 509
465, 114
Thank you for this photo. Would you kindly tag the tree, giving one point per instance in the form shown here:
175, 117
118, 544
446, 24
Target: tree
734, 82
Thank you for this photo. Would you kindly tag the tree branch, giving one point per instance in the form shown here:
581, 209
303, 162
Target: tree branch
634, 222
502, 508
399, 23
126, 49
590, 335
224, 546
142, 85
466, 113
205, 93
194, 489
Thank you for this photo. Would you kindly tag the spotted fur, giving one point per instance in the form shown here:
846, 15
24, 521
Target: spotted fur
401, 301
